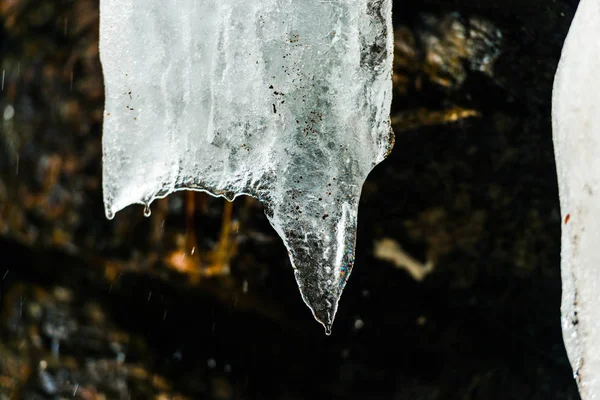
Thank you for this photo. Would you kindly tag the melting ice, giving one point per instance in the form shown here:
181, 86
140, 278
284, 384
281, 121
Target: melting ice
287, 101
576, 132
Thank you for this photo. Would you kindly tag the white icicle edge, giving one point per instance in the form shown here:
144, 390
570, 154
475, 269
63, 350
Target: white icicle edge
576, 134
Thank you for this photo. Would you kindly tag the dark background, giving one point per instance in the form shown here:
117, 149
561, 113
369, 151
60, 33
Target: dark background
477, 195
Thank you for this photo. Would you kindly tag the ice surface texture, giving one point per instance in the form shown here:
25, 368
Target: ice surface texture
284, 100
576, 126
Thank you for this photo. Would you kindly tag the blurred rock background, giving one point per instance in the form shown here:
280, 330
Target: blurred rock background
456, 289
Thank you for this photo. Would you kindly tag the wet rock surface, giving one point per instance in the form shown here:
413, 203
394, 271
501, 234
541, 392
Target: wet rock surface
199, 299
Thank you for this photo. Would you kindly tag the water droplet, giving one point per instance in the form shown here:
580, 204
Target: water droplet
211, 363
328, 330
147, 210
109, 214
358, 324
9, 112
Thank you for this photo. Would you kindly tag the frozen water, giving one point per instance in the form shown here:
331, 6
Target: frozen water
576, 126
284, 100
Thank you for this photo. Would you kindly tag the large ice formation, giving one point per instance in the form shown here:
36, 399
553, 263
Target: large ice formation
576, 126
287, 101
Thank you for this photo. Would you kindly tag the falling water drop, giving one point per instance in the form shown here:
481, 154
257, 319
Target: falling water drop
328, 330
110, 214
9, 112
147, 210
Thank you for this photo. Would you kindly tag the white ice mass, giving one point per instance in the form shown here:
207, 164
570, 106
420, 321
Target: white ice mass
287, 101
576, 126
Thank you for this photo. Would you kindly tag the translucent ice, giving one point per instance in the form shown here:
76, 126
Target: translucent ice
284, 100
576, 126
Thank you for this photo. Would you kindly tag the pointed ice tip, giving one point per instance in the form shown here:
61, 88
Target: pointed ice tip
321, 287
322, 303
327, 324
323, 258
326, 320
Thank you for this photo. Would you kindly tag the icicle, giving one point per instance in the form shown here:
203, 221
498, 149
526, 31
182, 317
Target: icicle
576, 126
284, 100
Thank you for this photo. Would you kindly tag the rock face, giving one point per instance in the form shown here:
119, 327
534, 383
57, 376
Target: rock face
576, 106
285, 102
